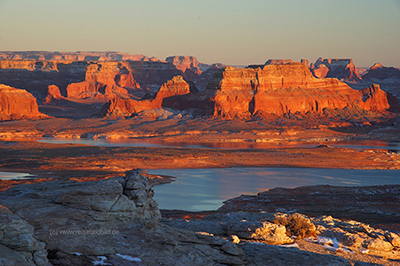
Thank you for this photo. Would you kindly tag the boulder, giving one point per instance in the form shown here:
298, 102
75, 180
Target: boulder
273, 234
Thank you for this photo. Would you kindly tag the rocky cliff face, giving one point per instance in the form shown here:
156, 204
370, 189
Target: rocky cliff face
165, 97
184, 63
100, 82
99, 79
35, 76
285, 89
338, 68
18, 104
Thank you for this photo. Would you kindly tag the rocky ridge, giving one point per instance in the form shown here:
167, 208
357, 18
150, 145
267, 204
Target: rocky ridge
74, 56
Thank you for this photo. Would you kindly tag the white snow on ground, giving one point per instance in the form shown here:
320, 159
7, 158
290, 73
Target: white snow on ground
77, 253
289, 245
129, 258
101, 261
330, 243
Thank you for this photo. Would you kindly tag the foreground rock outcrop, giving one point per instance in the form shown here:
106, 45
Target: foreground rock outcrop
18, 104
18, 246
339, 202
324, 234
114, 220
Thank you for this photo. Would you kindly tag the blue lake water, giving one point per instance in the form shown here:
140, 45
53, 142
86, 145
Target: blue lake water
148, 142
206, 189
15, 175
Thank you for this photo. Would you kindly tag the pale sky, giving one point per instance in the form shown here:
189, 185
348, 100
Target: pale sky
236, 32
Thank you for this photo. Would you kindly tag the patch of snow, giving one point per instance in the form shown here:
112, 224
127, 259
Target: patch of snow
363, 250
129, 258
332, 244
101, 261
290, 245
77, 253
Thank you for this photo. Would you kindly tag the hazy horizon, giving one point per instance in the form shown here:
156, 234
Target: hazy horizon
231, 32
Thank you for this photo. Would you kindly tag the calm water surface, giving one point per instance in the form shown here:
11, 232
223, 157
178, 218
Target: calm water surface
14, 175
206, 189
363, 144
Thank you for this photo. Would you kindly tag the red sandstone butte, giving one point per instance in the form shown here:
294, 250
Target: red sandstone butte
321, 71
100, 82
374, 99
284, 89
18, 104
119, 107
184, 63
338, 68
53, 93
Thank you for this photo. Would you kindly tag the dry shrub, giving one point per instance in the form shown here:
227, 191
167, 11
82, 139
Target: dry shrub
296, 225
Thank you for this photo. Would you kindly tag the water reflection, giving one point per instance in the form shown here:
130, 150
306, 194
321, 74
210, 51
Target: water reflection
206, 189
14, 176
393, 146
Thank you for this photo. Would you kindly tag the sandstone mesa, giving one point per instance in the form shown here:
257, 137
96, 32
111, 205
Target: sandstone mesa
18, 104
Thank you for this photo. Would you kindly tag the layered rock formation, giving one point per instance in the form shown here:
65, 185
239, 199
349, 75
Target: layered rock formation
96, 79
378, 72
53, 93
74, 56
114, 220
192, 70
278, 61
35, 76
276, 89
165, 97
18, 104
285, 89
343, 69
184, 63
